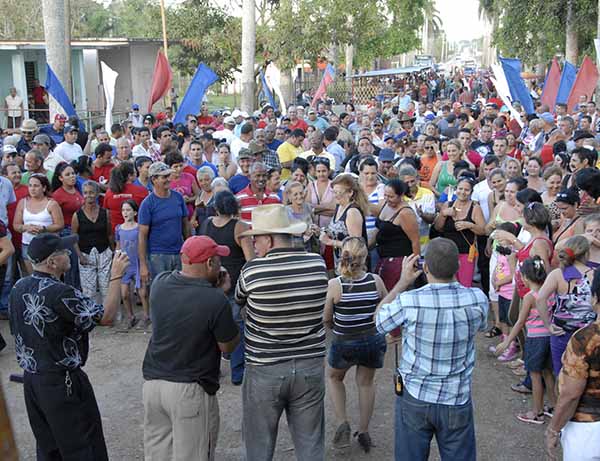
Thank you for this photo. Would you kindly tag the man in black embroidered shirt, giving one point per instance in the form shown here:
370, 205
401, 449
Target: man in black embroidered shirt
51, 321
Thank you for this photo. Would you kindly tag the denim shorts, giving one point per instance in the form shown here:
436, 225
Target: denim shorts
503, 307
367, 351
537, 354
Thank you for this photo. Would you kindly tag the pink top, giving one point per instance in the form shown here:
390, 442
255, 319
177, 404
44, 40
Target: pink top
183, 185
534, 324
501, 273
322, 221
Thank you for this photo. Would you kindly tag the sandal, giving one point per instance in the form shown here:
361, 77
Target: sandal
493, 332
364, 440
132, 322
548, 411
520, 388
517, 363
530, 418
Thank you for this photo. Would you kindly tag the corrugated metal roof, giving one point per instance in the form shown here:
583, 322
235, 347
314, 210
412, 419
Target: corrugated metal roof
396, 71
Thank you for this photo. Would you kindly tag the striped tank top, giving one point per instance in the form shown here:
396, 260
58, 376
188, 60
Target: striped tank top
353, 313
534, 324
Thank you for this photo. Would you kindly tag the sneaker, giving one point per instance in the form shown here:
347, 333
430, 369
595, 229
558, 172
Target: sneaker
530, 418
133, 321
509, 354
518, 363
364, 440
521, 371
520, 388
341, 439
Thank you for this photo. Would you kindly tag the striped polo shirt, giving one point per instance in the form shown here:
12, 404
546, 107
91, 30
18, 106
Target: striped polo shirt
284, 293
353, 313
374, 198
248, 202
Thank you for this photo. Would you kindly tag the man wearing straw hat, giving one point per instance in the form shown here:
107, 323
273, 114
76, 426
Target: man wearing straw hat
284, 291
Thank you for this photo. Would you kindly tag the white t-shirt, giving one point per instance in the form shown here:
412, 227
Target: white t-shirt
153, 151
14, 105
481, 192
70, 152
236, 145
52, 160
225, 134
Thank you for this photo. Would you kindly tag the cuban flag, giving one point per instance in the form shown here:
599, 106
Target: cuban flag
328, 78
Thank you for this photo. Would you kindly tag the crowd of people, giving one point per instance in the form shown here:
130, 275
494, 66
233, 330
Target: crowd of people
251, 235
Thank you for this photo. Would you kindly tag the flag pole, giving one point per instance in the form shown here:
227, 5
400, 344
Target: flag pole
164, 34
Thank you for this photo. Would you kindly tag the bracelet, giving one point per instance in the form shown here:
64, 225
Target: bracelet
552, 432
115, 278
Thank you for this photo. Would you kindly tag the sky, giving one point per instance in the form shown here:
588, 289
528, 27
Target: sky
460, 19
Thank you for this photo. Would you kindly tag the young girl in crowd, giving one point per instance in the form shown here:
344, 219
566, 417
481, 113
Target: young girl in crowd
537, 343
126, 238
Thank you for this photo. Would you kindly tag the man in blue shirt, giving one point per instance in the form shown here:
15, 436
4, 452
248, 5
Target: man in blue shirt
164, 224
439, 323
56, 131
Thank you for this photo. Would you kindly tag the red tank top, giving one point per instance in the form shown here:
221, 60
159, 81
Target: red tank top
522, 255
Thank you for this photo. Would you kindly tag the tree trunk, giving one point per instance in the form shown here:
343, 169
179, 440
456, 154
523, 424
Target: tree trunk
350, 59
571, 46
248, 51
58, 49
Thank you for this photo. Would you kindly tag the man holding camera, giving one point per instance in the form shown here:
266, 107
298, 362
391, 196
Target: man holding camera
51, 321
439, 322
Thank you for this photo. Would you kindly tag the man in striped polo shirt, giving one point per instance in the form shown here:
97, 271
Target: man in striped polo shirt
284, 290
256, 193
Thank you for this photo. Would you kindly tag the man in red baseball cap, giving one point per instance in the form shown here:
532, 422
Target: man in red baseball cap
192, 324
56, 130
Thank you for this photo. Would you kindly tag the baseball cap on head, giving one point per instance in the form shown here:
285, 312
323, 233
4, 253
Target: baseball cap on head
229, 120
71, 128
245, 153
201, 248
44, 245
9, 149
61, 117
135, 107
41, 139
159, 169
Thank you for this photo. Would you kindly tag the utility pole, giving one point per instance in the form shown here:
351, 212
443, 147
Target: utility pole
58, 46
248, 52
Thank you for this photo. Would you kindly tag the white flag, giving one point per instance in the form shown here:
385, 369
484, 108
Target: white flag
273, 79
109, 79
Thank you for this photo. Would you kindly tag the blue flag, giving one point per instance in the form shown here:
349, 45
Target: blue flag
516, 85
56, 90
567, 80
203, 78
267, 91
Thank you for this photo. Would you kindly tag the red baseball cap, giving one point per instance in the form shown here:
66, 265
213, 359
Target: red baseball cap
60, 117
200, 248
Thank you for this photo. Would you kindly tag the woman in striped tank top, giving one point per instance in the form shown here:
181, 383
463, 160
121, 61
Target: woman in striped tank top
351, 302
537, 344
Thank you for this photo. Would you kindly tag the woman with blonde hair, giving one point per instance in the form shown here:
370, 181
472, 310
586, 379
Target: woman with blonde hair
443, 172
571, 285
352, 299
299, 210
348, 219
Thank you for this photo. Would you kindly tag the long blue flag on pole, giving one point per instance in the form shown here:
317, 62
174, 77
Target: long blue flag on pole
516, 85
267, 90
567, 80
203, 78
56, 90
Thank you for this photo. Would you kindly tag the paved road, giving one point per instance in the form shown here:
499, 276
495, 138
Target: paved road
115, 371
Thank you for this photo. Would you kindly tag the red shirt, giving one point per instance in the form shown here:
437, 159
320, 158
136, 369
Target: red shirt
21, 191
248, 201
113, 201
102, 174
189, 169
38, 94
299, 124
473, 157
69, 203
206, 121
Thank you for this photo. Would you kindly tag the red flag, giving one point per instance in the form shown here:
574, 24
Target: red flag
161, 79
585, 83
551, 85
328, 77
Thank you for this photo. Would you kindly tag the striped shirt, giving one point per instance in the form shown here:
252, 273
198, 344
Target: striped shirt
353, 313
374, 198
535, 325
284, 293
249, 201
439, 321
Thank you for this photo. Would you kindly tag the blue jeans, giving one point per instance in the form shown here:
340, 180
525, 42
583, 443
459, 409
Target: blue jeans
71, 277
7, 284
418, 421
237, 356
294, 386
161, 263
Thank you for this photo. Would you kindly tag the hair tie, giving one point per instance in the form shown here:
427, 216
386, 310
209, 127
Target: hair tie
570, 253
538, 263
530, 205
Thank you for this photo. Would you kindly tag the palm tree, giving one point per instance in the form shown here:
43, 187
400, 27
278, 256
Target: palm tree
432, 26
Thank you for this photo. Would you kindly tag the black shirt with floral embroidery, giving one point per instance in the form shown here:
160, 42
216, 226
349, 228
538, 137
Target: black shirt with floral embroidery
50, 321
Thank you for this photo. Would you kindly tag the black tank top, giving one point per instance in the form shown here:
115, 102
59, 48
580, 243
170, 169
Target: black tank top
462, 239
93, 234
391, 239
226, 236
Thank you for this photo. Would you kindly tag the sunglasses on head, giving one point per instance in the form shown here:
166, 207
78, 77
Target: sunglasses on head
321, 161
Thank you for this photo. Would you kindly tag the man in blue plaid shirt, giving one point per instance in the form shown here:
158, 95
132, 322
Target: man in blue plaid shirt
439, 323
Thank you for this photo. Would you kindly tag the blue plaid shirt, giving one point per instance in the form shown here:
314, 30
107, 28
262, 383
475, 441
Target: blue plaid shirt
439, 323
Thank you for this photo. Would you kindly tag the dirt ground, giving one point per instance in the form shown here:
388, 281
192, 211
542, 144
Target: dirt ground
114, 367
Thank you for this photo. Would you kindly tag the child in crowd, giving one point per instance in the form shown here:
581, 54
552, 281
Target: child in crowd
503, 283
537, 344
126, 237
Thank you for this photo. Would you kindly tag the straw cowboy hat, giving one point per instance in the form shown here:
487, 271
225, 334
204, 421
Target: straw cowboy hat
407, 118
273, 219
